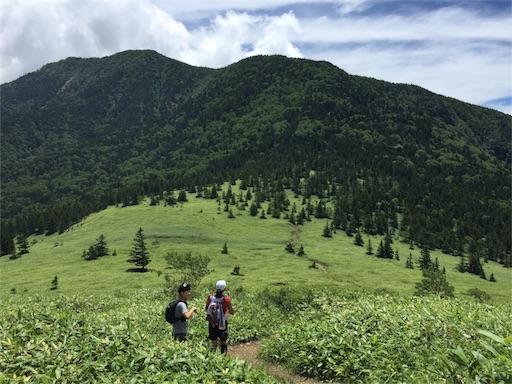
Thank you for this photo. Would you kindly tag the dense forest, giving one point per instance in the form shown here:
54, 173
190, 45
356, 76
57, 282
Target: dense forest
82, 134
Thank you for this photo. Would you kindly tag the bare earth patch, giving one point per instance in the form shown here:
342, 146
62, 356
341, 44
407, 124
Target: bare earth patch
249, 353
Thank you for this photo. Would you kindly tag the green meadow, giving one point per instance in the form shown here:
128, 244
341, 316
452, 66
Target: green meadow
255, 245
333, 314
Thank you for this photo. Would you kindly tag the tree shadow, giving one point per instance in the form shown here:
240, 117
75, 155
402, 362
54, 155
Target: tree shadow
139, 270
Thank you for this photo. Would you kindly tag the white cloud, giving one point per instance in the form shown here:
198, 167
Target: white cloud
452, 50
277, 35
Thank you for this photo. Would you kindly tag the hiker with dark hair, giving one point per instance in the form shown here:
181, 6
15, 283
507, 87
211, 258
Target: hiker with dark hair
181, 313
218, 308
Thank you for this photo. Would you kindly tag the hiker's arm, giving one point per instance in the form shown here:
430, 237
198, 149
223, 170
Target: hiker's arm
230, 308
188, 315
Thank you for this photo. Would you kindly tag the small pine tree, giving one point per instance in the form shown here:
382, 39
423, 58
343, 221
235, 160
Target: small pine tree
300, 219
397, 256
225, 249
409, 264
139, 255
492, 278
55, 283
327, 231
359, 239
214, 194
380, 250
388, 251
101, 247
369, 248
253, 210
289, 247
23, 245
182, 197
301, 251
462, 266
474, 265
425, 260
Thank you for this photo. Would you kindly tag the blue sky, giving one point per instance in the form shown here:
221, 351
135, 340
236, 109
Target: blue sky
461, 49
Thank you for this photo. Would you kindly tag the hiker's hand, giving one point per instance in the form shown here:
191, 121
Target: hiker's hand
194, 309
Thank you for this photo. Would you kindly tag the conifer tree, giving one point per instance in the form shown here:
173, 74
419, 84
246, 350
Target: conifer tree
474, 265
327, 231
385, 251
369, 248
182, 197
409, 264
462, 267
55, 283
380, 250
214, 194
225, 249
23, 245
300, 219
253, 210
101, 246
358, 239
425, 261
139, 255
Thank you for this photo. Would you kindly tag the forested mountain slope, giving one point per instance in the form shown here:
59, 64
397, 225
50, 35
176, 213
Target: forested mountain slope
81, 134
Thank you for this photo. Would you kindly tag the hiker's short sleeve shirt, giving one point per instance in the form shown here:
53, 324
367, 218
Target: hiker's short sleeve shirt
180, 326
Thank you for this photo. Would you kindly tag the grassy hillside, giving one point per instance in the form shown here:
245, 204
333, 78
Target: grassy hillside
255, 245
82, 134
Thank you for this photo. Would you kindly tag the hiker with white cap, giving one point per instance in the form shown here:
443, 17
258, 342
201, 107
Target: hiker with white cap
218, 308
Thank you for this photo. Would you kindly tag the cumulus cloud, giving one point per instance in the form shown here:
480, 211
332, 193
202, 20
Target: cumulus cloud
36, 33
459, 50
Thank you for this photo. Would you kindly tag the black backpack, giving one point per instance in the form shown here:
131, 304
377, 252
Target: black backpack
169, 312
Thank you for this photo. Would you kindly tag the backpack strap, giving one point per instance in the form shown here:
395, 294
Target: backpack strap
182, 318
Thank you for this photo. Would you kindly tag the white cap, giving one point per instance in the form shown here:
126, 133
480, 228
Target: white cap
221, 285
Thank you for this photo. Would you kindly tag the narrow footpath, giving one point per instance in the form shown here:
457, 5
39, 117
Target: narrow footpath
249, 353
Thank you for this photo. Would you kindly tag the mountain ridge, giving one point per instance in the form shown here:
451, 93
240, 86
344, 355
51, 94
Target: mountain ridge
81, 134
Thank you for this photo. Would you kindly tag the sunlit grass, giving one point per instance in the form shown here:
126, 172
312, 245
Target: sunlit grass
256, 246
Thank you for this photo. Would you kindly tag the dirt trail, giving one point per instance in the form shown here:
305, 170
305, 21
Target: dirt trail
294, 239
249, 353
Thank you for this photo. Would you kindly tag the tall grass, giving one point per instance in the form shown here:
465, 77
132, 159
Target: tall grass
359, 338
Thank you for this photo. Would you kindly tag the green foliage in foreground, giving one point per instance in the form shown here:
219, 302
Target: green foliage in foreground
377, 339
354, 339
111, 339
